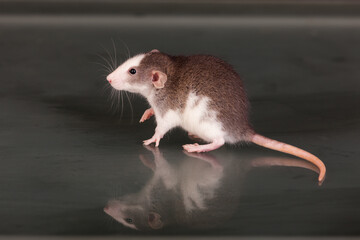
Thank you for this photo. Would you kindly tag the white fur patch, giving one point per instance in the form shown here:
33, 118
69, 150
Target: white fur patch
196, 118
120, 77
131, 62
169, 120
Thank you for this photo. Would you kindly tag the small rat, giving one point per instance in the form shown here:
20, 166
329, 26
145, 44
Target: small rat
200, 93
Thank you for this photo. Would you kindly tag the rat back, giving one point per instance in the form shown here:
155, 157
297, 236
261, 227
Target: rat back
194, 79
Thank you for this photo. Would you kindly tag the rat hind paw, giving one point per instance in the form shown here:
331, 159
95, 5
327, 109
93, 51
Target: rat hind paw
204, 148
191, 147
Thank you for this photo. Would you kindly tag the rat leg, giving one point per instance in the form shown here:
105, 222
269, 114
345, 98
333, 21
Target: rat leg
206, 147
156, 138
147, 114
164, 124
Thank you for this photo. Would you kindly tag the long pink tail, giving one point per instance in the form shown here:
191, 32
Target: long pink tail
286, 148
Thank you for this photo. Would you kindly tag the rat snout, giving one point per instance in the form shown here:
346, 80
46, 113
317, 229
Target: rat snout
112, 207
115, 209
109, 210
109, 79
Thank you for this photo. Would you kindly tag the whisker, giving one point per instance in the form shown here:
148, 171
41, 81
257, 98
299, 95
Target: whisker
116, 102
127, 48
114, 47
112, 99
105, 88
131, 107
106, 61
122, 104
113, 65
105, 68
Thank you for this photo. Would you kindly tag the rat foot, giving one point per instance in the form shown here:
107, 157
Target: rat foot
147, 114
155, 139
204, 148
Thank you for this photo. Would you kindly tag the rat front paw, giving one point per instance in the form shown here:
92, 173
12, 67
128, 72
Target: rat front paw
149, 141
147, 114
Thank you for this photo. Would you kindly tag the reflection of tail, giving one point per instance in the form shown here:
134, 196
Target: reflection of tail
286, 148
283, 162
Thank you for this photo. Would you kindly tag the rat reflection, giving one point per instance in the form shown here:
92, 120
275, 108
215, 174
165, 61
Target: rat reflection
200, 192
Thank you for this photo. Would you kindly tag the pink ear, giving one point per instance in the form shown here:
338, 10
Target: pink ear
159, 79
154, 51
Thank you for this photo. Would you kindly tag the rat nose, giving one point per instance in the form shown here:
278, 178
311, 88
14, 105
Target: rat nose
109, 79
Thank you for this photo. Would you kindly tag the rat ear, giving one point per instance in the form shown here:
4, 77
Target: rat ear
154, 220
159, 79
154, 51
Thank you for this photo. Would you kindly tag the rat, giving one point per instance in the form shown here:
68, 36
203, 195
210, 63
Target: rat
200, 93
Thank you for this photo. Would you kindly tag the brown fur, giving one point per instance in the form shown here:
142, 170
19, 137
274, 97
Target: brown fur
206, 76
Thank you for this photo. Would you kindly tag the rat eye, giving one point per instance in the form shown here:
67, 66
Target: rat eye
128, 220
132, 71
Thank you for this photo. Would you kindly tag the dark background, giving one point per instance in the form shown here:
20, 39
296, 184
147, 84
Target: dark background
65, 147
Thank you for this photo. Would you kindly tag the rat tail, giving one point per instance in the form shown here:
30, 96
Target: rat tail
286, 148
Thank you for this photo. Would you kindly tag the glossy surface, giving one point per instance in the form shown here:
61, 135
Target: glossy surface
65, 151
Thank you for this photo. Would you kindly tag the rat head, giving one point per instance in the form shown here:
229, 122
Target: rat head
141, 73
133, 215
